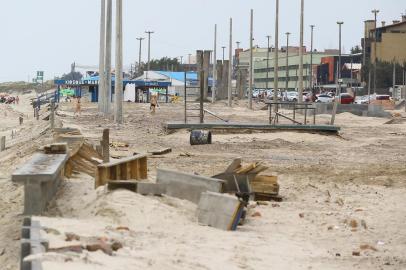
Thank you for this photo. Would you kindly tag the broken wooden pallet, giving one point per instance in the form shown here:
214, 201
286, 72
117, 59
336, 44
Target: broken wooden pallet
129, 168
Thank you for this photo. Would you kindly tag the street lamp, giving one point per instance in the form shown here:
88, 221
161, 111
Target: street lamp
311, 59
223, 51
149, 51
140, 39
267, 63
287, 61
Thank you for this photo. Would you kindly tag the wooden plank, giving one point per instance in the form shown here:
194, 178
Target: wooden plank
118, 172
123, 160
134, 170
143, 168
252, 126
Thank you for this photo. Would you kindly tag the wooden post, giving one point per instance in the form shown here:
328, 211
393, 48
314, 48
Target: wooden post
106, 145
2, 143
21, 119
201, 97
52, 115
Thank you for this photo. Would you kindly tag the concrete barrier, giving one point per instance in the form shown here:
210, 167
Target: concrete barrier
370, 110
187, 186
31, 244
41, 176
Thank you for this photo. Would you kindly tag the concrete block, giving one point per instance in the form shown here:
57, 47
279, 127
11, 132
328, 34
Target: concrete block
150, 188
41, 177
187, 186
31, 244
220, 211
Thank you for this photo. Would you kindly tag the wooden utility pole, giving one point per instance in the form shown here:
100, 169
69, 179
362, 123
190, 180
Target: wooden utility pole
276, 57
214, 87
102, 77
118, 108
140, 39
287, 62
251, 68
339, 62
109, 30
230, 70
375, 11
300, 97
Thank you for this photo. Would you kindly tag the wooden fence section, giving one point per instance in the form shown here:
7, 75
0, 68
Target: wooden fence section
129, 168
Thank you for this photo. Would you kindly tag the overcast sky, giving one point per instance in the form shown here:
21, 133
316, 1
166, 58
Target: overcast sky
51, 34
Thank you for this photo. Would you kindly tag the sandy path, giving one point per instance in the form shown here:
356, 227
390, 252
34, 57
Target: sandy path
328, 180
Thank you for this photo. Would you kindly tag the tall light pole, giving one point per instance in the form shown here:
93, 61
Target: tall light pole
238, 44
339, 61
311, 59
230, 64
140, 39
375, 11
214, 88
276, 58
251, 71
287, 61
267, 63
118, 109
300, 97
102, 77
107, 62
224, 47
149, 51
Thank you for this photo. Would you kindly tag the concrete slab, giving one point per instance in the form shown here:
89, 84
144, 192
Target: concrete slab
221, 211
40, 168
187, 186
41, 177
151, 188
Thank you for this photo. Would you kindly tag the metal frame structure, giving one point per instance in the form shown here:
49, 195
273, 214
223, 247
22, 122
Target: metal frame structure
274, 117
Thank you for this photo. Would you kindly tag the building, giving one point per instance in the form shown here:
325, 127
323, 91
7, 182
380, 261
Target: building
390, 41
264, 70
350, 70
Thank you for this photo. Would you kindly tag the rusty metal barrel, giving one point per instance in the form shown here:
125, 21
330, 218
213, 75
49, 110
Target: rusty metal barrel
199, 137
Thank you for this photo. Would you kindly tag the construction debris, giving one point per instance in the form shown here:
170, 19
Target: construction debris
161, 151
246, 180
56, 148
129, 168
220, 211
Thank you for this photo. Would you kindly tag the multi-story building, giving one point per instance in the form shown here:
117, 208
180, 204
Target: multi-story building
390, 42
288, 70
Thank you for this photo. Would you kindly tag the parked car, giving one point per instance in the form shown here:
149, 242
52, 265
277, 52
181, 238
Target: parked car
346, 98
324, 99
292, 96
382, 97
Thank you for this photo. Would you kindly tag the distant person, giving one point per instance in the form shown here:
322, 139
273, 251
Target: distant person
154, 103
17, 100
78, 108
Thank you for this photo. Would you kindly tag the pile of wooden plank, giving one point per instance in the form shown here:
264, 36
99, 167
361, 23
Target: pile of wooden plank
248, 180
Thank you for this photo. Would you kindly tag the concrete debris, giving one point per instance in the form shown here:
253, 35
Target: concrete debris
187, 186
155, 189
56, 148
221, 211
